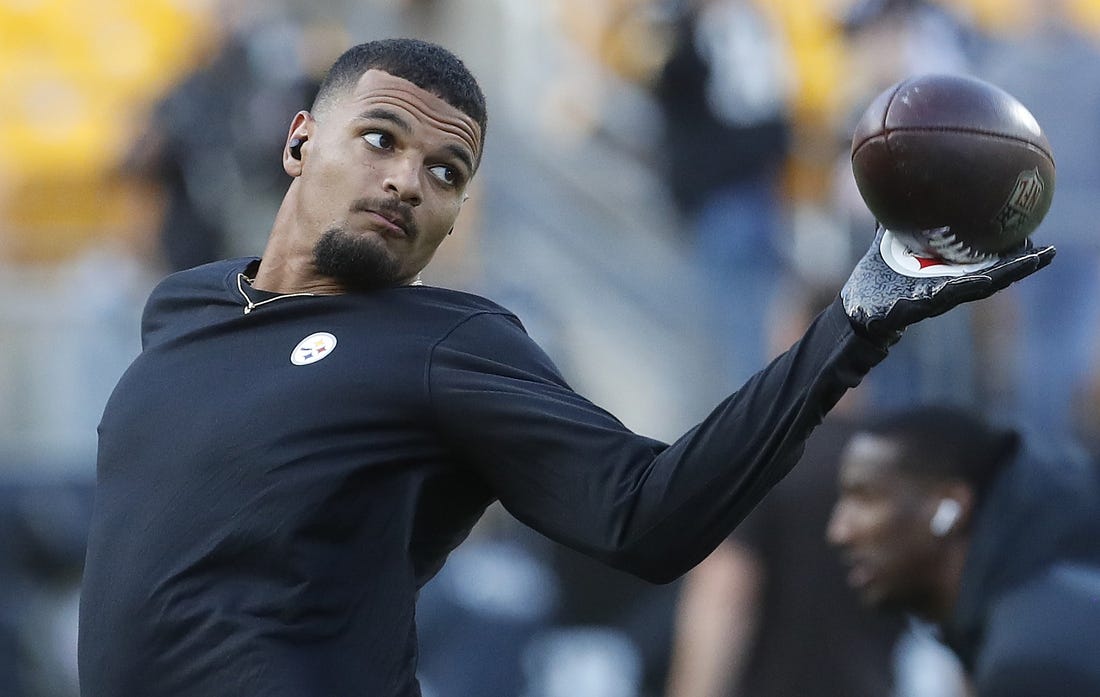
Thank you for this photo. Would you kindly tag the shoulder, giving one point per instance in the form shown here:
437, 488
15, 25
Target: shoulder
1072, 673
455, 304
474, 335
198, 282
1054, 605
1035, 636
191, 289
454, 317
434, 317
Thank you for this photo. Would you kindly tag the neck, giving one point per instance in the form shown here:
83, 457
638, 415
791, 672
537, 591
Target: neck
948, 582
277, 275
287, 260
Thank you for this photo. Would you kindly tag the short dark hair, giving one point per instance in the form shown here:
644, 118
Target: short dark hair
947, 442
428, 66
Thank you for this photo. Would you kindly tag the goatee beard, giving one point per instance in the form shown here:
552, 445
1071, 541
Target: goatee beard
357, 262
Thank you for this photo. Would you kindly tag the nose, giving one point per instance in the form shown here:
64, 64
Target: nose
402, 179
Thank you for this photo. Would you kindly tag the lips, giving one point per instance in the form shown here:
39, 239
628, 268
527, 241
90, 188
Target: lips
391, 217
859, 575
860, 572
390, 223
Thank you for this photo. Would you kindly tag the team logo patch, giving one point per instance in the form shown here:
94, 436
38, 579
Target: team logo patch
313, 348
907, 258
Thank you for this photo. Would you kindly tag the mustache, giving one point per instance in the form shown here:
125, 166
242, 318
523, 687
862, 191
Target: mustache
398, 212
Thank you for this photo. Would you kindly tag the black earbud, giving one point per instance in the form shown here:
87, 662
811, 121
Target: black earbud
295, 148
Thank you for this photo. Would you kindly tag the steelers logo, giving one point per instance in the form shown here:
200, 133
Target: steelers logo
313, 348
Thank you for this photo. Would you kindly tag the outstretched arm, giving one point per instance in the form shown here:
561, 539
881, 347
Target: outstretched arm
572, 471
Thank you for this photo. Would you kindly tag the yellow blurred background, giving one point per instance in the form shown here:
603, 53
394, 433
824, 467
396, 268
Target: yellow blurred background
78, 77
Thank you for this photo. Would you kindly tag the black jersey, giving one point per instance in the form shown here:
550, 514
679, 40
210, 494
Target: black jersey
274, 485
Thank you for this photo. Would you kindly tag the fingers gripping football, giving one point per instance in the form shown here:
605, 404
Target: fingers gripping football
894, 286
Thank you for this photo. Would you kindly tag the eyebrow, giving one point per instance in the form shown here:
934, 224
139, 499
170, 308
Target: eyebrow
460, 153
457, 151
387, 115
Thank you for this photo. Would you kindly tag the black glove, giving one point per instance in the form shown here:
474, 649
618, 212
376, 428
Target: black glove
897, 283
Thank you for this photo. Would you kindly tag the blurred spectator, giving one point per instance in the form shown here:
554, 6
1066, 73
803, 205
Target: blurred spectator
493, 598
608, 608
974, 528
512, 613
212, 139
892, 39
724, 94
1049, 353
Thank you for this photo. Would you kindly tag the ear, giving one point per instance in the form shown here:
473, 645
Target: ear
301, 128
461, 205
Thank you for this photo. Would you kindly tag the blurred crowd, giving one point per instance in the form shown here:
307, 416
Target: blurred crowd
665, 195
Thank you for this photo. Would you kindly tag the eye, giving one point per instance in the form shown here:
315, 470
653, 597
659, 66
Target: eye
379, 139
445, 173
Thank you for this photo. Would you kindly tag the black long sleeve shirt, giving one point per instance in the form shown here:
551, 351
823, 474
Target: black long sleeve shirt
275, 485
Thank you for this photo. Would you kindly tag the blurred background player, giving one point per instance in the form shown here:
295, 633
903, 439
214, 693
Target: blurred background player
208, 142
966, 525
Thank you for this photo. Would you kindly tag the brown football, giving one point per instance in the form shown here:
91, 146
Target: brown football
951, 151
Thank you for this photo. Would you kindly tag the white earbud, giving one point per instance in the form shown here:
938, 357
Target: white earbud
945, 517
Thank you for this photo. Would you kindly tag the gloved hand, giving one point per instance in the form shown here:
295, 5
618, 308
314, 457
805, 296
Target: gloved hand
897, 284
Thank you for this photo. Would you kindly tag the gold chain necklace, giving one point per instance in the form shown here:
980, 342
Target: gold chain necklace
250, 306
